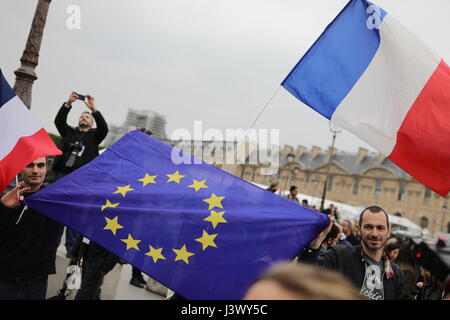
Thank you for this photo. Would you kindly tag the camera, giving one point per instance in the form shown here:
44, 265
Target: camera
76, 148
81, 97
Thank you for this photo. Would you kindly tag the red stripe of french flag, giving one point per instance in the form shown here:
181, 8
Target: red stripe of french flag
423, 140
22, 139
26, 150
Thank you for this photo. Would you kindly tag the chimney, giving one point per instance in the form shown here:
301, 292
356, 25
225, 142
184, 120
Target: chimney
287, 149
300, 151
380, 158
314, 152
362, 153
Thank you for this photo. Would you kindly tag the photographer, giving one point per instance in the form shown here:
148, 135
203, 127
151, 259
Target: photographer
79, 145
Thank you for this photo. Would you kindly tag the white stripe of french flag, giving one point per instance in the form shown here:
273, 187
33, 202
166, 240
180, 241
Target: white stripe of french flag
384, 85
22, 139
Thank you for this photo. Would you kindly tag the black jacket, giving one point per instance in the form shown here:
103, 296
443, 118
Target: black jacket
349, 261
95, 257
28, 248
90, 140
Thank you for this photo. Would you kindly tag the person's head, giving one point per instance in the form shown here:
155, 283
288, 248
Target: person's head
86, 121
294, 191
332, 237
304, 202
34, 173
392, 250
301, 282
374, 228
273, 187
347, 227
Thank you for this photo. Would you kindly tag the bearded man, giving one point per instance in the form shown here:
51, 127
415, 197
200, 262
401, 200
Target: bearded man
364, 265
79, 145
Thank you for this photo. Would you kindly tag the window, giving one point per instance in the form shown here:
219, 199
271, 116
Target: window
426, 198
330, 183
401, 192
377, 189
308, 176
356, 186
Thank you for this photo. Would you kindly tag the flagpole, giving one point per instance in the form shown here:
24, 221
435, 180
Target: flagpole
26, 74
252, 125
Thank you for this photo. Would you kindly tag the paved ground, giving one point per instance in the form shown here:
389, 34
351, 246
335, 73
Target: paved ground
125, 291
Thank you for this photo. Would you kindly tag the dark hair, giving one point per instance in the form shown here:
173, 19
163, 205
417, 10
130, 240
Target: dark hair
349, 222
305, 201
334, 232
392, 246
293, 188
373, 209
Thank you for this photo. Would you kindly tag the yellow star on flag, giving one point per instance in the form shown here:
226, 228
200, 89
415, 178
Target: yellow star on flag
183, 254
214, 201
197, 185
131, 243
176, 177
112, 224
123, 190
207, 240
108, 204
155, 254
215, 218
147, 179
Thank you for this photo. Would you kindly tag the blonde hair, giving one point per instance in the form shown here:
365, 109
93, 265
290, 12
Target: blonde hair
312, 283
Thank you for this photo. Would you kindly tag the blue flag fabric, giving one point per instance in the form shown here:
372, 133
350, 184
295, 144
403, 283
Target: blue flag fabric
200, 231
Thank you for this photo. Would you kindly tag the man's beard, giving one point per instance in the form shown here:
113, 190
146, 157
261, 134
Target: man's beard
369, 246
83, 125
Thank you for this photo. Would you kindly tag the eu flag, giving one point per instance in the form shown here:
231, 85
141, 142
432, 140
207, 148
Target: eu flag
200, 231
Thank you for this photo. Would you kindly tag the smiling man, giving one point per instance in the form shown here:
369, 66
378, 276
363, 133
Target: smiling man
365, 265
28, 240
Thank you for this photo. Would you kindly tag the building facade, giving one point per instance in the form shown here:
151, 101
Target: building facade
147, 119
358, 179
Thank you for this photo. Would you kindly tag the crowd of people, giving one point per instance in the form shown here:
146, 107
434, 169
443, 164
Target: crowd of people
352, 260
380, 265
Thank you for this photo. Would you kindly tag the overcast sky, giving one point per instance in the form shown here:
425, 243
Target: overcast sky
213, 60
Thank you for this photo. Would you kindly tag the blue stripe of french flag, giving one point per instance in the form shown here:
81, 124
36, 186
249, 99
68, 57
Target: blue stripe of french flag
370, 75
23, 139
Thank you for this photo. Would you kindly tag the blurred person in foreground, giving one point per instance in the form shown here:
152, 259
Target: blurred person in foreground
301, 282
28, 239
364, 265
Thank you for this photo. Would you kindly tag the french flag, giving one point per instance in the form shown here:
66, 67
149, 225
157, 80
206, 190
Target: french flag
373, 77
22, 139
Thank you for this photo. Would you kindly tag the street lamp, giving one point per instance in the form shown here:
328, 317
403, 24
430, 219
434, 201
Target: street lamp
26, 73
334, 129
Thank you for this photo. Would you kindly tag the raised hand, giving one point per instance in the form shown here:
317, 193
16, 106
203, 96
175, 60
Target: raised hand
13, 197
